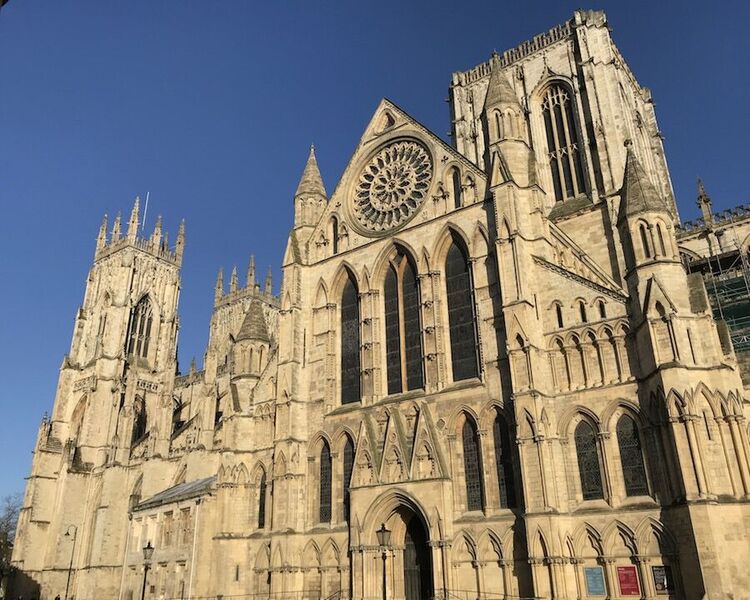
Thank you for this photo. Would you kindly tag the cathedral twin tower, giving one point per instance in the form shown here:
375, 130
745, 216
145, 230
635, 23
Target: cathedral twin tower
487, 375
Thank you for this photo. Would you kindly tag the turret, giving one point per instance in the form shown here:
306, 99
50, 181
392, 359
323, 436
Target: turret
116, 229
179, 248
704, 203
310, 199
219, 288
133, 223
250, 282
509, 155
101, 239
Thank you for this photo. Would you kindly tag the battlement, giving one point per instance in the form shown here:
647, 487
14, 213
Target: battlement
157, 244
722, 217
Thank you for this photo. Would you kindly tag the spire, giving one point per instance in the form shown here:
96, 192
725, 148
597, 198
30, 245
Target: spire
179, 247
499, 90
116, 229
269, 282
251, 272
156, 235
219, 289
638, 194
133, 223
254, 324
311, 182
704, 203
101, 239
233, 281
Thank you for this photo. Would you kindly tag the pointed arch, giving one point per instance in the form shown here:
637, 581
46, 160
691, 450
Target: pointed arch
472, 452
350, 359
503, 461
589, 461
138, 339
325, 476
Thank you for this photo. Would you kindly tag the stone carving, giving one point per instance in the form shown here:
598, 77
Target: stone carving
392, 186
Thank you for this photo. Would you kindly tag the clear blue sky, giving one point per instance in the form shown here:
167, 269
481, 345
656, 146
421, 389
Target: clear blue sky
212, 106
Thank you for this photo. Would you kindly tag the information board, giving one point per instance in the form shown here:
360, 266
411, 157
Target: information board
595, 581
662, 575
628, 578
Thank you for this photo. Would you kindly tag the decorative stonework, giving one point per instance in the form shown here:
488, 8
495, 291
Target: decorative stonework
392, 186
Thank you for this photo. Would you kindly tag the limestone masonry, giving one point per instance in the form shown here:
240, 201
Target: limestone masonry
493, 371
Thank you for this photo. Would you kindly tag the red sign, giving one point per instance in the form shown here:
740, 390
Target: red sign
628, 578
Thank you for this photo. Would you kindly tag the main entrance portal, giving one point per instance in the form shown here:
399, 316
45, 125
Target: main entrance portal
417, 562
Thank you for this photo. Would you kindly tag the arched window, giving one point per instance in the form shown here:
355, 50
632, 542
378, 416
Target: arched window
456, 185
335, 234
504, 462
461, 318
661, 240
589, 467
644, 241
350, 361
324, 512
140, 420
403, 335
262, 501
563, 146
582, 311
602, 310
631, 457
498, 125
348, 467
558, 313
139, 335
472, 466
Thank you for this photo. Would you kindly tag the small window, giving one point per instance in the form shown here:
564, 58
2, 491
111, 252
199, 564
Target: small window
582, 311
456, 184
262, 501
644, 241
140, 421
558, 312
348, 467
602, 310
335, 234
661, 240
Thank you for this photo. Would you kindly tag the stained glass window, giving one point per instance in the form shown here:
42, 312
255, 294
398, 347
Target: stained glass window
589, 467
350, 361
348, 466
392, 332
262, 501
563, 147
139, 335
461, 318
325, 484
403, 333
504, 462
631, 457
472, 466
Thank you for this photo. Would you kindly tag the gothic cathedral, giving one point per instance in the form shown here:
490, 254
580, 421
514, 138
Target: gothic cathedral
488, 374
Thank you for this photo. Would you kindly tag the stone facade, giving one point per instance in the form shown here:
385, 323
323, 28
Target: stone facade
492, 349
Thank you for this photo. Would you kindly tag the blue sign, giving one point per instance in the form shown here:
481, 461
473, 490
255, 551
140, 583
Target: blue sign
595, 581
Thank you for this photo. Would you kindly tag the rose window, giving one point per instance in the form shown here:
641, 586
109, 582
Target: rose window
392, 186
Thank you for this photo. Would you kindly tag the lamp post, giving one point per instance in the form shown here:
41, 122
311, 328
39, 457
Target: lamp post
72, 552
148, 551
384, 540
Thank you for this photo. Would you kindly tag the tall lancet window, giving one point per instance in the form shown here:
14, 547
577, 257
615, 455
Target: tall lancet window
348, 468
324, 507
472, 466
461, 316
262, 486
403, 335
350, 361
589, 466
139, 335
563, 145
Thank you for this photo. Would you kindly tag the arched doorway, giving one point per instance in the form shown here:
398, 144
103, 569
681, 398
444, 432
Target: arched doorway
417, 561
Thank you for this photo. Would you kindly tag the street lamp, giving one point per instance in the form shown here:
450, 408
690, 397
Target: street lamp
148, 552
384, 540
72, 551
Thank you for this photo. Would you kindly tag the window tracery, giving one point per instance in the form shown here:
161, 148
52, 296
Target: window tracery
324, 510
139, 335
563, 145
472, 466
631, 457
461, 314
350, 345
589, 466
402, 327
